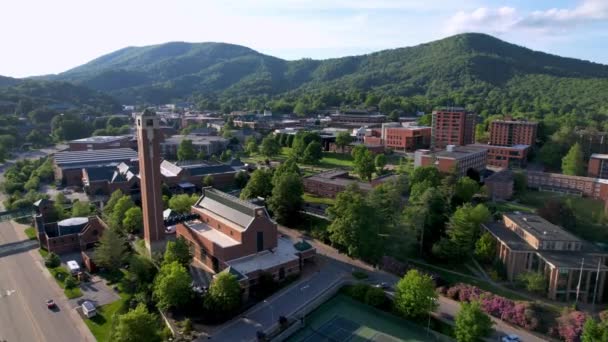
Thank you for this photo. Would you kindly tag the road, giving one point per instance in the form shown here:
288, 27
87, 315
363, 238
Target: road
24, 288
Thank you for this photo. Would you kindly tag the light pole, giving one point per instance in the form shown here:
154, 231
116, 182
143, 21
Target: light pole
431, 301
271, 311
302, 292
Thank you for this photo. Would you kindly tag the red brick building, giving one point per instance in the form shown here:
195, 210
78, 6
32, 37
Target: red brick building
330, 183
506, 157
513, 132
584, 186
598, 166
500, 185
240, 237
68, 165
453, 126
462, 159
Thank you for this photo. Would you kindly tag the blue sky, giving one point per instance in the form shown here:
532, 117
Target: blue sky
42, 37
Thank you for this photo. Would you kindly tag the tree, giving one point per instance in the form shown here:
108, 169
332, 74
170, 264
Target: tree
179, 251
533, 281
485, 247
137, 325
109, 207
355, 225
251, 146
111, 250
259, 185
375, 296
70, 282
141, 269
119, 211
32, 184
182, 202
301, 141
594, 331
422, 173
415, 295
81, 209
465, 189
472, 324
313, 153
363, 162
573, 163
286, 199
133, 221
426, 216
463, 228
208, 180
520, 182
52, 260
172, 286
240, 179
380, 163
224, 293
185, 150
558, 213
343, 139
270, 147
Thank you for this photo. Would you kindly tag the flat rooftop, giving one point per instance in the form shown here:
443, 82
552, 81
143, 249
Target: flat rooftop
500, 176
196, 139
101, 139
212, 234
284, 253
75, 159
541, 228
520, 122
599, 156
460, 152
520, 147
504, 234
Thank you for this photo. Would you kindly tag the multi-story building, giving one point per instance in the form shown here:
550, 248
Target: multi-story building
584, 186
202, 143
598, 166
68, 165
397, 137
506, 157
356, 118
240, 237
513, 132
464, 160
102, 143
332, 182
500, 185
529, 243
453, 126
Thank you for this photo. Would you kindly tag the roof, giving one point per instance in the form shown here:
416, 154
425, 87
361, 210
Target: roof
520, 122
460, 152
520, 147
197, 170
507, 236
100, 173
101, 139
567, 259
88, 305
284, 253
228, 207
212, 234
540, 228
77, 159
503, 176
302, 246
196, 139
599, 156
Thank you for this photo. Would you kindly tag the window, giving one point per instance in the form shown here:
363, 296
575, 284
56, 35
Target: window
260, 241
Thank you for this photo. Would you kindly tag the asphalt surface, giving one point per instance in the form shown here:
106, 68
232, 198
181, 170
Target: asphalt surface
25, 286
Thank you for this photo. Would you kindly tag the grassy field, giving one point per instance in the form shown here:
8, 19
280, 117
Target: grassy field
101, 324
310, 198
344, 319
60, 273
31, 233
336, 160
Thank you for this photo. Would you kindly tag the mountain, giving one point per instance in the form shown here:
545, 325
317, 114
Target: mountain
8, 81
466, 66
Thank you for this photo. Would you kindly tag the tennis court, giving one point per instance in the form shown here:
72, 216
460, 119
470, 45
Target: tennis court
343, 319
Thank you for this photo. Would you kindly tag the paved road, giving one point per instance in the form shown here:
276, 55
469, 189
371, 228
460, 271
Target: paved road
24, 288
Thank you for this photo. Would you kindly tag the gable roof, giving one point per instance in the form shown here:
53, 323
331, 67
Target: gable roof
228, 207
78, 159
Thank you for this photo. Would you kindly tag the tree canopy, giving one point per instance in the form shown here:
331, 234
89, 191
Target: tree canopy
472, 324
172, 286
415, 295
137, 325
224, 293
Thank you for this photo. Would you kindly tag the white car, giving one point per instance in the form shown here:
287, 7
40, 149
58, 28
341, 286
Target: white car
511, 338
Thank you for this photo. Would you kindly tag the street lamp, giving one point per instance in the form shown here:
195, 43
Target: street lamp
271, 310
302, 291
431, 301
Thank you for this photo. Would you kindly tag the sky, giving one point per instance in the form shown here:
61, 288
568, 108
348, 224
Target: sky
44, 37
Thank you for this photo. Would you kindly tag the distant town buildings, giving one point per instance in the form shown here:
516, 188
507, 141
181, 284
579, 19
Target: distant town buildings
464, 160
529, 243
453, 126
206, 144
355, 118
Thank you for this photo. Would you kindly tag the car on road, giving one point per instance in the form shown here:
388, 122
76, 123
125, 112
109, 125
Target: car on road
382, 285
510, 338
51, 304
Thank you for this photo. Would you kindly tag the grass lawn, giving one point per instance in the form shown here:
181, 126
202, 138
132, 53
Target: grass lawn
31, 233
336, 160
43, 252
60, 273
310, 198
101, 324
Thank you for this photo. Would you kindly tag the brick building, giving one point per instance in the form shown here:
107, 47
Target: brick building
513, 132
356, 118
598, 166
240, 237
400, 138
583, 186
529, 243
68, 165
332, 182
453, 126
500, 185
202, 143
464, 160
506, 157
102, 143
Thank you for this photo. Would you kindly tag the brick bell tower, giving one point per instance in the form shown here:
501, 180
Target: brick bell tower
148, 143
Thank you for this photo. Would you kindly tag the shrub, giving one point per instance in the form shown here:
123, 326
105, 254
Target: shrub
375, 297
187, 326
533, 282
570, 325
70, 282
52, 260
358, 291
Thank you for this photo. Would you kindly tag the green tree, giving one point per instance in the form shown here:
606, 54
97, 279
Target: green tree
259, 185
520, 182
415, 295
472, 324
119, 211
226, 155
251, 147
224, 293
463, 228
270, 147
426, 216
32, 184
313, 153
380, 163
240, 179
81, 209
375, 297
533, 282
363, 162
355, 225
111, 250
485, 247
141, 269
286, 199
182, 203
208, 180
137, 325
572, 163
465, 189
133, 221
70, 282
343, 139
301, 141
172, 286
594, 331
179, 251
186, 150
109, 207
422, 173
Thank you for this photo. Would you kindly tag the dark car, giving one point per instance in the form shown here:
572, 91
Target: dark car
51, 304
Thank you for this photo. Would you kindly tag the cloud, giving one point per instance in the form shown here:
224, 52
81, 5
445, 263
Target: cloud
509, 20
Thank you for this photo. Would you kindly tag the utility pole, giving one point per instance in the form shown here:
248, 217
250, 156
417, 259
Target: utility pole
580, 278
597, 280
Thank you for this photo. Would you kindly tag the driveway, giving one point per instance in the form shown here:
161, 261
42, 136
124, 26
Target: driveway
95, 291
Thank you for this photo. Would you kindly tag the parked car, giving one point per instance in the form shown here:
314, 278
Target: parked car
511, 338
51, 304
